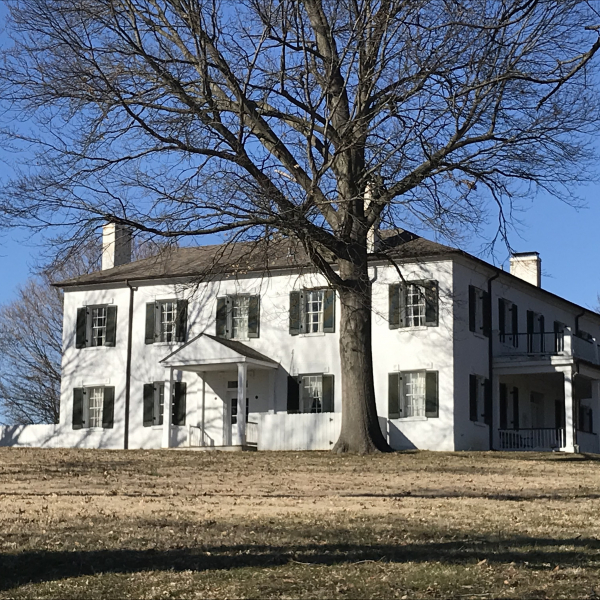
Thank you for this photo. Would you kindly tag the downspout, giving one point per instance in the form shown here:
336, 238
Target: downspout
491, 360
128, 367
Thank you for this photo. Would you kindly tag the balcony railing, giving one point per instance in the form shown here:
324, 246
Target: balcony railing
251, 433
198, 438
538, 345
532, 439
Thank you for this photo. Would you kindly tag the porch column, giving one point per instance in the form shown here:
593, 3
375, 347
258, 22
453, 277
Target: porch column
495, 437
167, 411
203, 375
596, 409
241, 402
569, 417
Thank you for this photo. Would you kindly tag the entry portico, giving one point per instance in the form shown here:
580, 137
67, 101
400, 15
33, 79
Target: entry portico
207, 353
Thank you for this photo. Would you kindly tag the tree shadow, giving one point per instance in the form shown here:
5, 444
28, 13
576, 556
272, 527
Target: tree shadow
529, 552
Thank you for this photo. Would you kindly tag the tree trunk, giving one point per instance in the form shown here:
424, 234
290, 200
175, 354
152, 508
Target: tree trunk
360, 432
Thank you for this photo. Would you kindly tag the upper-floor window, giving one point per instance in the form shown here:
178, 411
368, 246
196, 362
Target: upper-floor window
480, 399
93, 407
166, 321
413, 394
312, 311
480, 316
154, 403
96, 326
238, 317
413, 304
310, 393
508, 322
536, 332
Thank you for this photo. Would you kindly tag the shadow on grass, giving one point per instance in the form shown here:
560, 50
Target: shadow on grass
533, 553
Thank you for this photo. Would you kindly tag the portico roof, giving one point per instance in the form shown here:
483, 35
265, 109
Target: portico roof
209, 353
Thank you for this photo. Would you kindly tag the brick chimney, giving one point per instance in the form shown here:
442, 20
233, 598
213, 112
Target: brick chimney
116, 245
527, 266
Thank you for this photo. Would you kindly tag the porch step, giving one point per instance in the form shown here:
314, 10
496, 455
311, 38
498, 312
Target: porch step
244, 448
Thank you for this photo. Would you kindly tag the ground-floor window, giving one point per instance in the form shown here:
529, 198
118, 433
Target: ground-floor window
413, 394
311, 393
154, 403
93, 407
480, 399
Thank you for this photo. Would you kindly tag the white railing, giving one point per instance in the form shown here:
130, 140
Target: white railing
198, 438
306, 431
532, 439
251, 433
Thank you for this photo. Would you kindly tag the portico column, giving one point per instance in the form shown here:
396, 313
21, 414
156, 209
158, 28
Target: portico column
596, 410
495, 437
167, 411
241, 403
569, 417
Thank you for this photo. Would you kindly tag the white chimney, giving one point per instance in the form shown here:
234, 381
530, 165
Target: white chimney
527, 266
116, 245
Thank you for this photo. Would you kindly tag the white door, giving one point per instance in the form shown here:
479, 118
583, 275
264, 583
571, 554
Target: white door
230, 400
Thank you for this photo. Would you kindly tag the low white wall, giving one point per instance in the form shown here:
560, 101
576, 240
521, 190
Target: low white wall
29, 435
298, 431
588, 442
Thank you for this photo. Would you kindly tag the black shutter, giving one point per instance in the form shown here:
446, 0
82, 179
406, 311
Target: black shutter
487, 402
149, 405
394, 306
181, 325
515, 393
328, 396
111, 326
394, 396
542, 333
293, 395
295, 313
503, 407
487, 314
473, 397
502, 318
431, 395
221, 330
515, 325
78, 395
179, 403
472, 307
254, 316
150, 322
329, 311
108, 409
431, 303
81, 328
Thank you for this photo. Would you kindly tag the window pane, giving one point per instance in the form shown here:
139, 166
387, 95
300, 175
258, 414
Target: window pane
96, 402
161, 403
413, 394
240, 317
168, 318
415, 305
312, 394
314, 311
99, 326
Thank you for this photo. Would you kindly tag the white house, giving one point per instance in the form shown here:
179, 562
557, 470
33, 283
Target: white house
173, 351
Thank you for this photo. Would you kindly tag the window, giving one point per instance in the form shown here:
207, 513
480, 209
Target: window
535, 332
310, 394
508, 322
480, 399
480, 317
413, 394
238, 317
96, 326
312, 311
413, 304
154, 403
234, 410
93, 407
166, 321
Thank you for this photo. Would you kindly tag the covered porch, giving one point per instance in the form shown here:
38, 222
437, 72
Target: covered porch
221, 415
546, 405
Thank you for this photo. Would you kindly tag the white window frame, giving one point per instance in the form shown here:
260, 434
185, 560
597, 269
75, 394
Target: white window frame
413, 409
415, 305
167, 328
313, 318
92, 413
96, 325
309, 402
240, 310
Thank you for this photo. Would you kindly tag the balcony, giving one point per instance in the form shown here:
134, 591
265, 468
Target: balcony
551, 346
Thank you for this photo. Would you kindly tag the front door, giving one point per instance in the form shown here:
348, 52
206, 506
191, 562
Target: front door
230, 433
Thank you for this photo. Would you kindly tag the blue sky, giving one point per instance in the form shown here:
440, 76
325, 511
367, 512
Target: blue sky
567, 240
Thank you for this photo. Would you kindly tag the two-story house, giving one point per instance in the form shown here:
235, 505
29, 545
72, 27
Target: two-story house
237, 346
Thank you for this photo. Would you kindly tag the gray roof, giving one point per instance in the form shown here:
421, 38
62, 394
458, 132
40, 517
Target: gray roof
204, 262
241, 348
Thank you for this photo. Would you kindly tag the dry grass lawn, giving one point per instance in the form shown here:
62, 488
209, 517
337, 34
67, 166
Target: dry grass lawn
175, 524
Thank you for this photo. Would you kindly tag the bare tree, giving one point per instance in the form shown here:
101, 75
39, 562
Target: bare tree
310, 118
